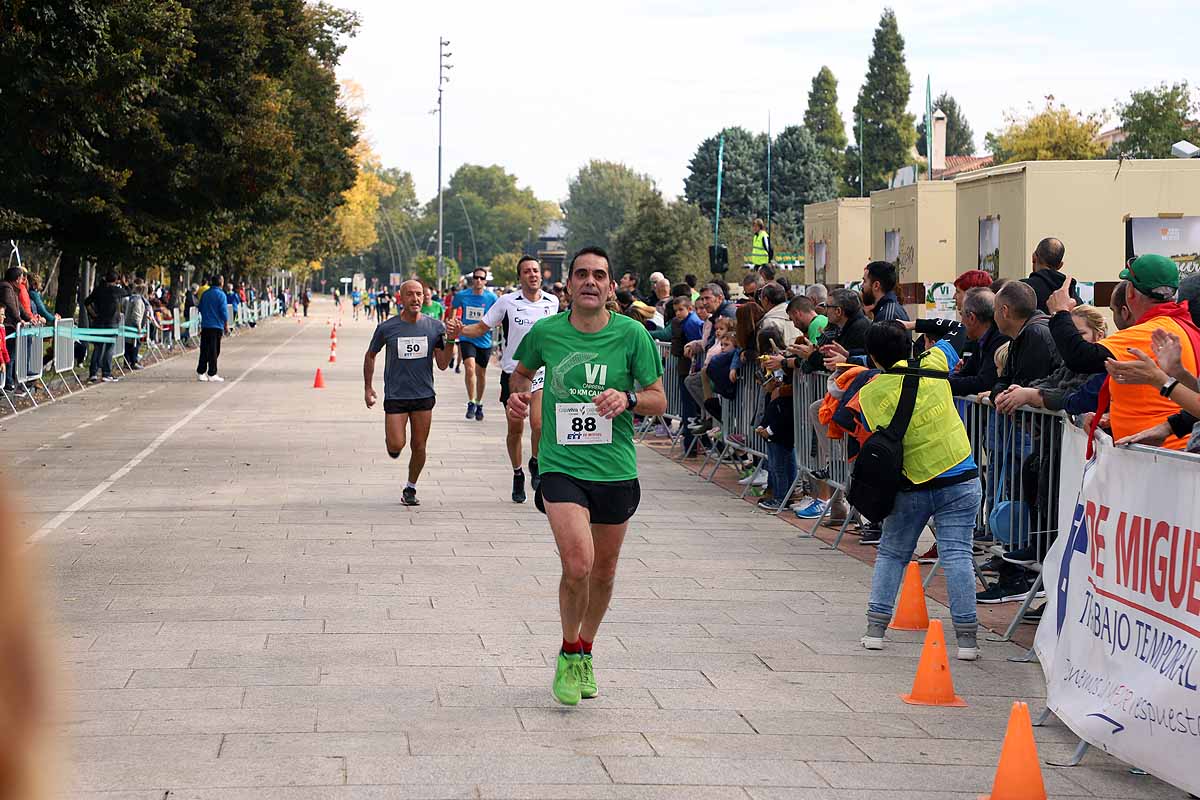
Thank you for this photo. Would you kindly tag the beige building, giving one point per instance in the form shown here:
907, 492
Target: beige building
1004, 211
913, 227
836, 244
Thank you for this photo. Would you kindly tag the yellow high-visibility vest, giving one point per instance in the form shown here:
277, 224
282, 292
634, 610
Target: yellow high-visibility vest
758, 251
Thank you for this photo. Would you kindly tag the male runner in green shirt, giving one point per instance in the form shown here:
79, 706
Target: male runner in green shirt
589, 490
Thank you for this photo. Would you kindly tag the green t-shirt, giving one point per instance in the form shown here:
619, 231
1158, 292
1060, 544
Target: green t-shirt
434, 309
580, 366
818, 324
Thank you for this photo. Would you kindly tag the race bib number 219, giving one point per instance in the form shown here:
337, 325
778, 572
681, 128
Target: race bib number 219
580, 423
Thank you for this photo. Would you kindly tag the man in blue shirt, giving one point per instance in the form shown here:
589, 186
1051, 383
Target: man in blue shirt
470, 305
214, 323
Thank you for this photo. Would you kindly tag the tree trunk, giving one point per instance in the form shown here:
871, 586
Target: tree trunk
65, 300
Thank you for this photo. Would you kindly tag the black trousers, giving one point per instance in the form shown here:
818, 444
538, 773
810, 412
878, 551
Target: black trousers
210, 350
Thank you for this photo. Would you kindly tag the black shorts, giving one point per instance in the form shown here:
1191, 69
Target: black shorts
608, 502
482, 355
408, 406
505, 392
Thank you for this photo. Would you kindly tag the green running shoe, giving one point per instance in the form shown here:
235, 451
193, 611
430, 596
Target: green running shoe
587, 678
566, 679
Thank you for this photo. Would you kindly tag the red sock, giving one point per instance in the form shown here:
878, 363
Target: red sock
570, 647
586, 645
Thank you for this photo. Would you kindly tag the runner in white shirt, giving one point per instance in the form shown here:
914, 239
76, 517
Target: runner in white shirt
517, 312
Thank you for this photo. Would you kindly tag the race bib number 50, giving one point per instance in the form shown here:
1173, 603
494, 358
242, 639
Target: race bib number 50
580, 423
411, 347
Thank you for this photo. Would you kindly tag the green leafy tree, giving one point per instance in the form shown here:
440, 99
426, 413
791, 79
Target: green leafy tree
960, 139
425, 268
1053, 134
500, 215
671, 238
824, 121
744, 184
504, 268
799, 175
77, 80
1154, 119
600, 199
887, 128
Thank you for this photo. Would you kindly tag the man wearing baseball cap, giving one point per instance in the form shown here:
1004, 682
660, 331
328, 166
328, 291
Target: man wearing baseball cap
1135, 407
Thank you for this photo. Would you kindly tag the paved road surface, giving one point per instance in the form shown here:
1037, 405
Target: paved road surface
246, 612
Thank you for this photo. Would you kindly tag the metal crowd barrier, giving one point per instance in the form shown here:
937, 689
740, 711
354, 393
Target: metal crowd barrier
672, 387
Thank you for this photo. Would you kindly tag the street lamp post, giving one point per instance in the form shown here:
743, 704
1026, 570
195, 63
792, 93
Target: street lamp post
443, 78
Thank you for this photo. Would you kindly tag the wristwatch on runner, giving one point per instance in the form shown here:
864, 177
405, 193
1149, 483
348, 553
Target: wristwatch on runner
630, 401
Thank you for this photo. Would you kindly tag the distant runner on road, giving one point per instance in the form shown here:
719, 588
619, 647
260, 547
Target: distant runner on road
475, 351
593, 359
414, 342
517, 312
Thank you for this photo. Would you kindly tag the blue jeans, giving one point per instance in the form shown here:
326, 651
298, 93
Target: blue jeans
953, 510
101, 360
781, 469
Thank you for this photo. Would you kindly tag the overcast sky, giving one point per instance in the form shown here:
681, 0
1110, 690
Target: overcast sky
542, 87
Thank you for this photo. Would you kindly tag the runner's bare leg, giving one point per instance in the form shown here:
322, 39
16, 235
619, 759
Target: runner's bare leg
573, 535
606, 547
421, 421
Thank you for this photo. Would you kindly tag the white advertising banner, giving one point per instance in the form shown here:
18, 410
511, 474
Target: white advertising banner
1119, 635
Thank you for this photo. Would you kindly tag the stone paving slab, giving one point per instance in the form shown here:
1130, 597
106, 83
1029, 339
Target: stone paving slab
249, 614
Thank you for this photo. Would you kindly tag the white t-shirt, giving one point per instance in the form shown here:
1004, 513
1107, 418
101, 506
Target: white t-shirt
521, 314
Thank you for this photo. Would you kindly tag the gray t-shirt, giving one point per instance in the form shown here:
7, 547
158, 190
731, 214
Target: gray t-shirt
408, 365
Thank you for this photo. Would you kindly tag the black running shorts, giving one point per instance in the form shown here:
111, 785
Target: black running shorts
408, 406
482, 355
608, 502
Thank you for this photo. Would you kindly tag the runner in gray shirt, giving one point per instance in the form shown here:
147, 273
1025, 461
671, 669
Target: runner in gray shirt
414, 342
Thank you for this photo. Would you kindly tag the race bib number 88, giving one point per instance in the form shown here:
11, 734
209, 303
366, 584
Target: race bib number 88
580, 423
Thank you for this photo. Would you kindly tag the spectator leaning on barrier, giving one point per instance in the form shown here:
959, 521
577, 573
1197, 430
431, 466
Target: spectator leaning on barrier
846, 334
1032, 354
879, 292
776, 327
37, 301
942, 478
1137, 412
977, 372
214, 323
803, 314
1164, 372
105, 305
1047, 275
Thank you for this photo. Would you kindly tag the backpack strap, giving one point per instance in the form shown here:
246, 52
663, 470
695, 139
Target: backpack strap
908, 400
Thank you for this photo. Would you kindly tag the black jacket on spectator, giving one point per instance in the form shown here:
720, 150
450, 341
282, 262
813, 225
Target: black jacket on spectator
1046, 282
978, 373
10, 299
105, 300
888, 308
1031, 356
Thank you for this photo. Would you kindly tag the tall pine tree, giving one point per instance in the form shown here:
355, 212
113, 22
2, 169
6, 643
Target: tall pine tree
888, 130
960, 139
824, 121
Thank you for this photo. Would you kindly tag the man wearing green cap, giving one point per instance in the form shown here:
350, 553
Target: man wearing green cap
1134, 407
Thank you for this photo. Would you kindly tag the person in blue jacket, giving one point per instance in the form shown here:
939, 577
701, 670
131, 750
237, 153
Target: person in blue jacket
214, 323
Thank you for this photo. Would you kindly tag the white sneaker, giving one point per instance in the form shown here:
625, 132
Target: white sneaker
216, 379
968, 653
110, 379
202, 377
759, 478
872, 642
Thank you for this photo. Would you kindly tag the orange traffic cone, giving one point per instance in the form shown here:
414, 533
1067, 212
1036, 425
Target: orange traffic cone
911, 613
1019, 773
319, 381
933, 685
333, 352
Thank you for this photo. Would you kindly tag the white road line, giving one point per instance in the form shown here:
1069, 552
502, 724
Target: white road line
107, 483
67, 435
102, 417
